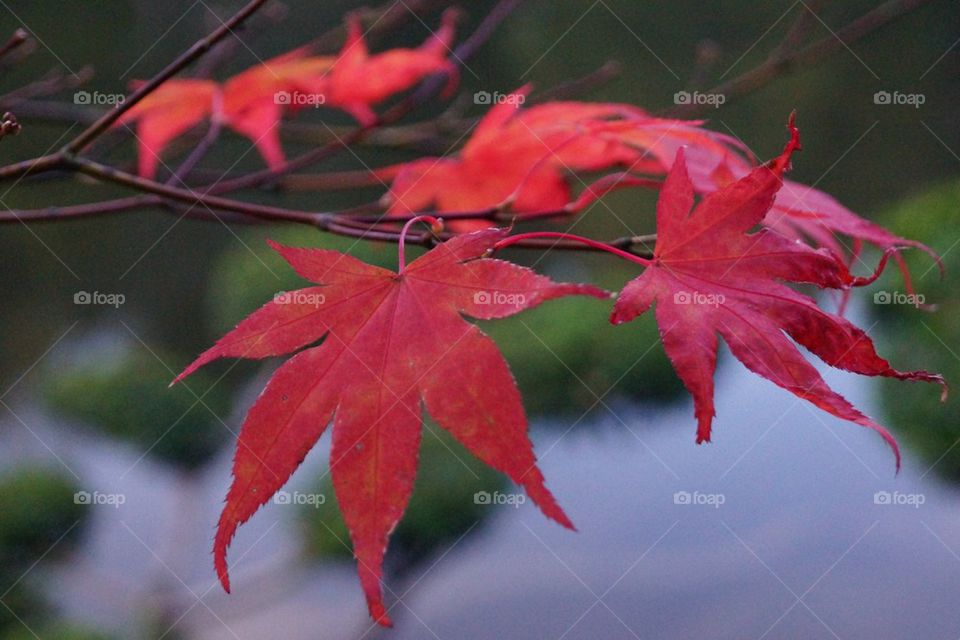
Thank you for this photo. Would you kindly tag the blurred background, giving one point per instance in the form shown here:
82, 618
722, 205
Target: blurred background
791, 524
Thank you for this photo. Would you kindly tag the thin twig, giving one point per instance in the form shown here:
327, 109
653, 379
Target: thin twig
91, 210
19, 37
578, 86
52, 83
53, 111
332, 222
783, 62
208, 200
182, 172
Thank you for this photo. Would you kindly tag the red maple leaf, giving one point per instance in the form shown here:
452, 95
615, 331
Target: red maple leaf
801, 212
798, 212
391, 341
251, 103
254, 101
710, 277
526, 156
359, 80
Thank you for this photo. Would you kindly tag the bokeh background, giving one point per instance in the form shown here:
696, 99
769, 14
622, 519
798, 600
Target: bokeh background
111, 483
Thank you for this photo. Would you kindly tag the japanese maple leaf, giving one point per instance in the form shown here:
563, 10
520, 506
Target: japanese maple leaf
798, 212
256, 99
358, 80
253, 102
709, 276
808, 214
391, 342
527, 155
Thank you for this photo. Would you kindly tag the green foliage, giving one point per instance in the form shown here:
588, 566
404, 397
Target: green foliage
566, 354
23, 605
128, 398
40, 518
37, 507
441, 510
58, 630
912, 338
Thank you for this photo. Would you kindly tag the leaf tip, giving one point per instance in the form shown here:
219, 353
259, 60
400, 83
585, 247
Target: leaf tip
595, 292
220, 563
183, 374
781, 163
704, 417
888, 438
220, 543
379, 614
944, 388
794, 132
622, 312
548, 505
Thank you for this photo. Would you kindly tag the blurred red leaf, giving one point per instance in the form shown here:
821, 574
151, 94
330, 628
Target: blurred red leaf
359, 80
254, 101
173, 108
526, 156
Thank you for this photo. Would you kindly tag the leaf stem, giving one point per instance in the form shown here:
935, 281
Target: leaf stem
436, 226
595, 244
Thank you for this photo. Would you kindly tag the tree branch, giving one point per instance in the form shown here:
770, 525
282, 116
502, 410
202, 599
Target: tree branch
784, 60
